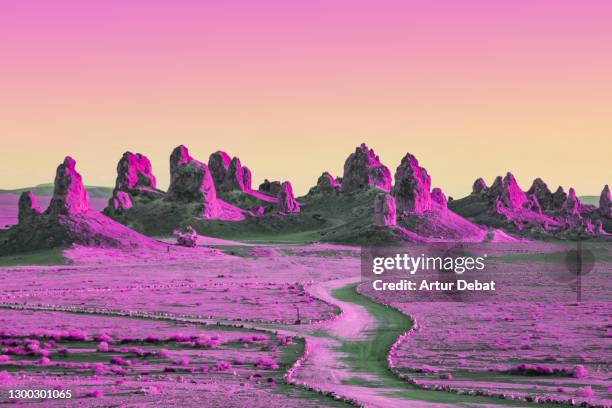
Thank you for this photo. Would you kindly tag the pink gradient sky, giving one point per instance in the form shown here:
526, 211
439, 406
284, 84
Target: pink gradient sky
472, 88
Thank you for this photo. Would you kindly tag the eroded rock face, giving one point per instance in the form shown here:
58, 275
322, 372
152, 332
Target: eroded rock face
558, 198
363, 169
605, 203
438, 196
219, 163
534, 204
69, 194
270, 187
541, 191
121, 200
385, 210
191, 181
134, 177
412, 186
479, 186
512, 196
326, 184
286, 201
572, 204
134, 172
229, 175
28, 209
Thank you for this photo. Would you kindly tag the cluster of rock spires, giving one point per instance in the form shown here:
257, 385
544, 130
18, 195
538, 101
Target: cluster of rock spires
67, 220
536, 210
204, 187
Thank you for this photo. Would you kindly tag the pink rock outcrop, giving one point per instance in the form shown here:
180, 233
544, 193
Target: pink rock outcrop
69, 193
479, 186
363, 169
28, 209
412, 186
558, 198
134, 172
385, 210
270, 187
286, 201
326, 184
540, 190
121, 200
219, 163
605, 203
438, 196
229, 174
134, 177
191, 181
510, 193
572, 204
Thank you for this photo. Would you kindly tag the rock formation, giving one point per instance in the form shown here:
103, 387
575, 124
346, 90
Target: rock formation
186, 237
229, 175
134, 172
326, 184
191, 181
605, 203
412, 186
68, 220
572, 204
438, 196
363, 169
286, 201
134, 177
385, 211
558, 198
540, 190
270, 187
479, 186
69, 194
28, 209
219, 163
511, 194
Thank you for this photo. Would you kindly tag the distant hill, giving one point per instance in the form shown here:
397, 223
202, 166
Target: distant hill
47, 190
590, 199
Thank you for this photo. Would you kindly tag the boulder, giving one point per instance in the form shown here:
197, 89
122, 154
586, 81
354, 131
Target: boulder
134, 172
286, 201
121, 200
363, 169
572, 205
412, 186
28, 209
438, 196
605, 203
270, 187
191, 181
479, 186
385, 211
186, 237
69, 194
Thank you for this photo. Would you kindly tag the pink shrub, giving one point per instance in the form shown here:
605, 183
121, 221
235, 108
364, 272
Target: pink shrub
95, 394
99, 368
104, 337
103, 347
44, 361
223, 366
163, 353
204, 369
120, 361
5, 376
182, 361
585, 392
4, 358
267, 363
580, 371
